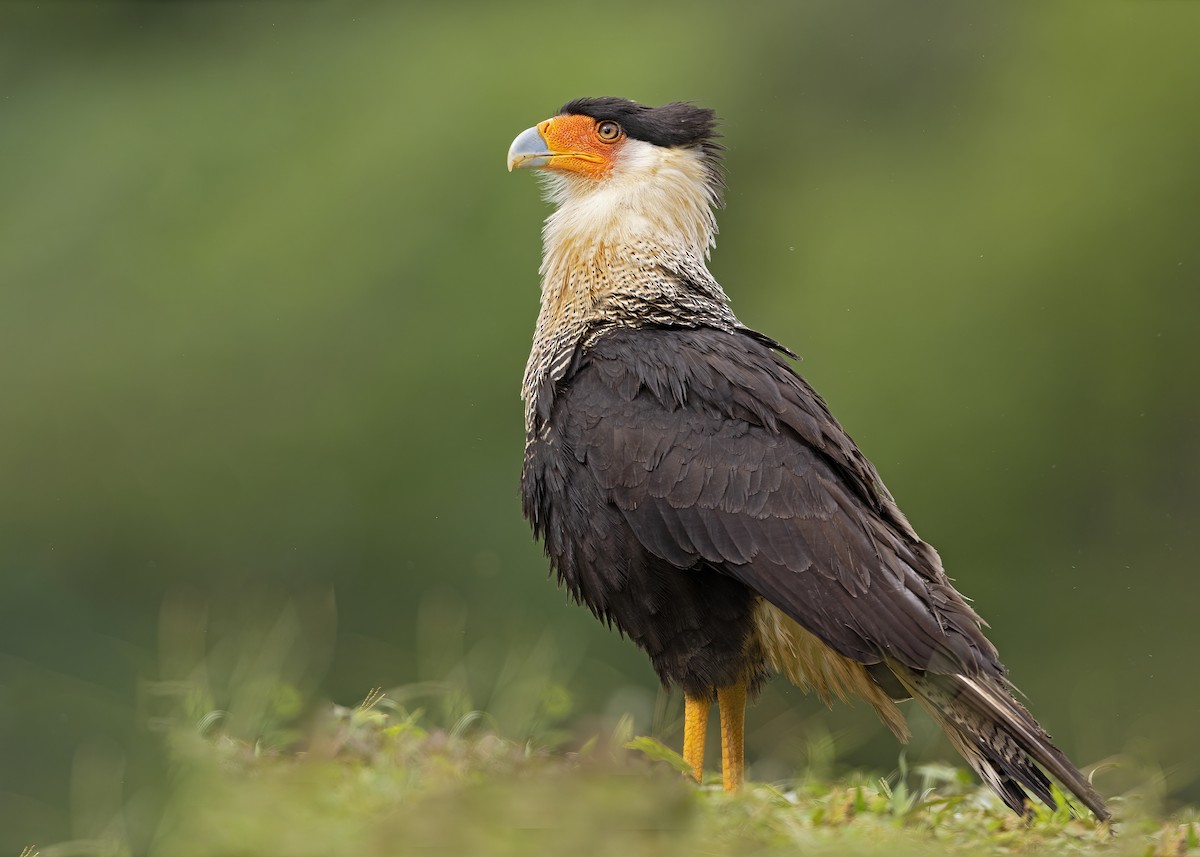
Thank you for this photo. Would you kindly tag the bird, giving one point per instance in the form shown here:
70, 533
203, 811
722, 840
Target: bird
693, 491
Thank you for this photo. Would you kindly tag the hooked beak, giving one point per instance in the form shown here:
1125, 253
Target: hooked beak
529, 150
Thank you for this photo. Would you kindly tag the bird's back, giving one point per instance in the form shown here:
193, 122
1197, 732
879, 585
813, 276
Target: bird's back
701, 448
696, 493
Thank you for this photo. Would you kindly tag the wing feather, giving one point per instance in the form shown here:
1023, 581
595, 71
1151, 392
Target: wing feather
715, 451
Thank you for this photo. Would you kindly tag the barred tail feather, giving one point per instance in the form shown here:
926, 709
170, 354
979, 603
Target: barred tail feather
999, 738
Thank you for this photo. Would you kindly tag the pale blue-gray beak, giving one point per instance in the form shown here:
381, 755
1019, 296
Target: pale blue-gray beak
528, 150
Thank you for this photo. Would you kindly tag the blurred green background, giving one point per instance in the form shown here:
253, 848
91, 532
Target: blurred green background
266, 293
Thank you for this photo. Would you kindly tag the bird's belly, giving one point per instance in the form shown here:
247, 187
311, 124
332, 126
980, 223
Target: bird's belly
696, 625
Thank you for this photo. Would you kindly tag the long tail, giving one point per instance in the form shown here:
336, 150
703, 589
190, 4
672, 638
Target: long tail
998, 738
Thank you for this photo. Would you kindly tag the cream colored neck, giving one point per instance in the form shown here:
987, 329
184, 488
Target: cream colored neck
629, 250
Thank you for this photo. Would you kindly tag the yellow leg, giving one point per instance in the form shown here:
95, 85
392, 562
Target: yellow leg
732, 702
695, 722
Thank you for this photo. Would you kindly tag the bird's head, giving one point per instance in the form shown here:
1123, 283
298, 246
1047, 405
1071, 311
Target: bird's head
625, 163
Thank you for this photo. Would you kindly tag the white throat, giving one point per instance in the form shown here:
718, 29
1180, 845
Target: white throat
653, 194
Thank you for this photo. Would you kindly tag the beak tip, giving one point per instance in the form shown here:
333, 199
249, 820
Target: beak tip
529, 149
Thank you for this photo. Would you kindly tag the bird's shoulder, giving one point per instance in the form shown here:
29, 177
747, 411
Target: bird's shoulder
707, 381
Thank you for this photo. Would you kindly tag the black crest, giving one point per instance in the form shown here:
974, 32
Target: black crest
678, 124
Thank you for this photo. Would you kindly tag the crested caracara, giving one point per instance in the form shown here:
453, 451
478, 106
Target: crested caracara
691, 489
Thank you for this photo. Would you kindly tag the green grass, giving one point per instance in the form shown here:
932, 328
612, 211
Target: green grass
380, 780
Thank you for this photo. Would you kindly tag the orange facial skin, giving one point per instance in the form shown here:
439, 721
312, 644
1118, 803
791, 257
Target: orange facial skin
576, 145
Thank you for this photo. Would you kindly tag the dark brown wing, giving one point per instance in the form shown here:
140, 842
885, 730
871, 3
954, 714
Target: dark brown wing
701, 450
714, 451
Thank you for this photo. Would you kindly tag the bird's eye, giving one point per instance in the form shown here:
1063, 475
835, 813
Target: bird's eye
608, 131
